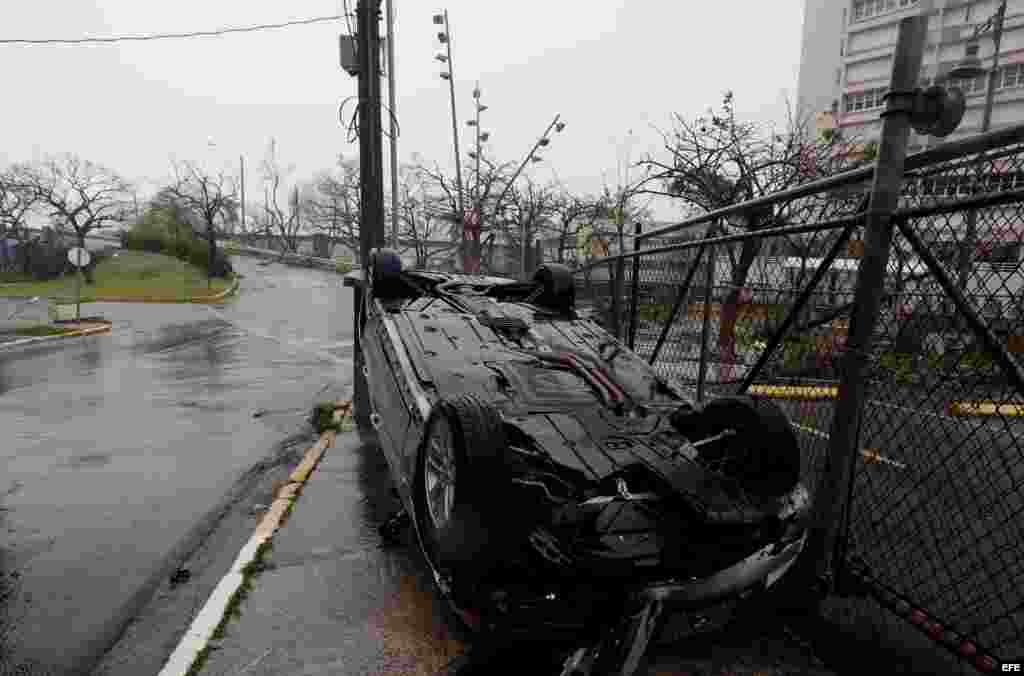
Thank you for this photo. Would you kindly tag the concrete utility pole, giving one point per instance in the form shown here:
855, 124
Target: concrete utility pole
371, 152
371, 173
394, 122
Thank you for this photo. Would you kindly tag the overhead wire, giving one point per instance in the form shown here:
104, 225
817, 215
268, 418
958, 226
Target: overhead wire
172, 36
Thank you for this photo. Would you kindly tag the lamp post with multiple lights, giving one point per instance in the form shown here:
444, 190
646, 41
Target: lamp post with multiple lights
444, 37
473, 224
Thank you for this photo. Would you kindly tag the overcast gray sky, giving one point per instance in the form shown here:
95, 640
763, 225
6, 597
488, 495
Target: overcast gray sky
608, 66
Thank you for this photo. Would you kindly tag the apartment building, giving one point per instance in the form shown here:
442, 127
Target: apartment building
847, 53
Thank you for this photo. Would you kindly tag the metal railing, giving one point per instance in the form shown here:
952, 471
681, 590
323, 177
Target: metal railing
932, 529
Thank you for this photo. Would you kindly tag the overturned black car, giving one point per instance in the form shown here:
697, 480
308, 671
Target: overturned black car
556, 484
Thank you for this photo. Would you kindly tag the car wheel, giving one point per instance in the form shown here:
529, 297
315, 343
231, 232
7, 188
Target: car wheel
458, 487
763, 455
557, 284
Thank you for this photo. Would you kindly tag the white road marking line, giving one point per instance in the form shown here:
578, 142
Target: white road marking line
214, 611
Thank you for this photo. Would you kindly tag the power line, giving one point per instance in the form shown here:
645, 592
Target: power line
169, 36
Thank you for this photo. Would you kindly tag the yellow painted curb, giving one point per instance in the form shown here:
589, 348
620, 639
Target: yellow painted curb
86, 332
972, 408
795, 391
313, 456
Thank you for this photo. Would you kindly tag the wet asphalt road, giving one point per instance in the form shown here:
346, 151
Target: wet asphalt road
114, 445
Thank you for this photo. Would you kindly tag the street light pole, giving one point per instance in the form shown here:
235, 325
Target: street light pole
394, 122
971, 67
460, 216
543, 140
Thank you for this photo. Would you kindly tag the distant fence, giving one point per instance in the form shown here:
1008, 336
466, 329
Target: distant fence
932, 536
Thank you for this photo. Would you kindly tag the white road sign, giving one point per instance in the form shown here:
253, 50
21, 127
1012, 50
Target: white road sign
79, 257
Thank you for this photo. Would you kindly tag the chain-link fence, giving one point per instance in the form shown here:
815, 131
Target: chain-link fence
762, 301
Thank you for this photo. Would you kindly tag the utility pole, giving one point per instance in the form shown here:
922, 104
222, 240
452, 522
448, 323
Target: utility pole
241, 160
371, 152
371, 177
394, 122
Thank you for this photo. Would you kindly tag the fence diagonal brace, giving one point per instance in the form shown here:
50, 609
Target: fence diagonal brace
798, 306
684, 291
1002, 355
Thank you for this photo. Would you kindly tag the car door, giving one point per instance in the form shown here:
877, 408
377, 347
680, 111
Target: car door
389, 408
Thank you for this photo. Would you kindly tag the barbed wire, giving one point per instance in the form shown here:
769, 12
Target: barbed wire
170, 36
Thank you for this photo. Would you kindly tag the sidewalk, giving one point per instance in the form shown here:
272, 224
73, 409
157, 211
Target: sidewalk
330, 598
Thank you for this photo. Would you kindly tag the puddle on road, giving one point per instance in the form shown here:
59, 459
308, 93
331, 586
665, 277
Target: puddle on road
87, 461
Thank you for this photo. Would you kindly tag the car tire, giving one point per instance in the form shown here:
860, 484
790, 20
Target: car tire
558, 288
467, 539
763, 456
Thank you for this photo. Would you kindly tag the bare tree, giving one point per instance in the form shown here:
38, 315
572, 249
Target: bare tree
424, 220
210, 197
285, 222
532, 204
487, 188
16, 203
569, 213
717, 160
76, 193
334, 204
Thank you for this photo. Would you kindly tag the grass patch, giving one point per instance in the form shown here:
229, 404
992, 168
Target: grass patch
14, 277
37, 330
129, 274
323, 418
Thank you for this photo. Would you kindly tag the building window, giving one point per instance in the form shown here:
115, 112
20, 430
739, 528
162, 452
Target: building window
866, 100
974, 85
1010, 77
867, 9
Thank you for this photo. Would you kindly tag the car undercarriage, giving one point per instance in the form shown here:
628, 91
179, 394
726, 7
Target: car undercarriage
556, 484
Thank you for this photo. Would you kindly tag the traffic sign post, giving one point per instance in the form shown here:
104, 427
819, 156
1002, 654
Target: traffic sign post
80, 258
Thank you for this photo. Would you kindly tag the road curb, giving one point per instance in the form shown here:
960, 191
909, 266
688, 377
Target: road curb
215, 298
48, 339
807, 392
188, 655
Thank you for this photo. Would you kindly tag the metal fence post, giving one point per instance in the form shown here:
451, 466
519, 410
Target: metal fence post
833, 485
635, 297
709, 281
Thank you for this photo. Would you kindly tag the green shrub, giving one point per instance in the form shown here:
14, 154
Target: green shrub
900, 365
343, 265
323, 418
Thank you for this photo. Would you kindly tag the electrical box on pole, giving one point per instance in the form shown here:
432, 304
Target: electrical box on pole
349, 54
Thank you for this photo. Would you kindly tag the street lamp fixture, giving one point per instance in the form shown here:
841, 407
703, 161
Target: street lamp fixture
481, 107
446, 75
476, 93
439, 19
560, 126
442, 38
485, 135
441, 57
543, 142
471, 123
536, 158
970, 67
